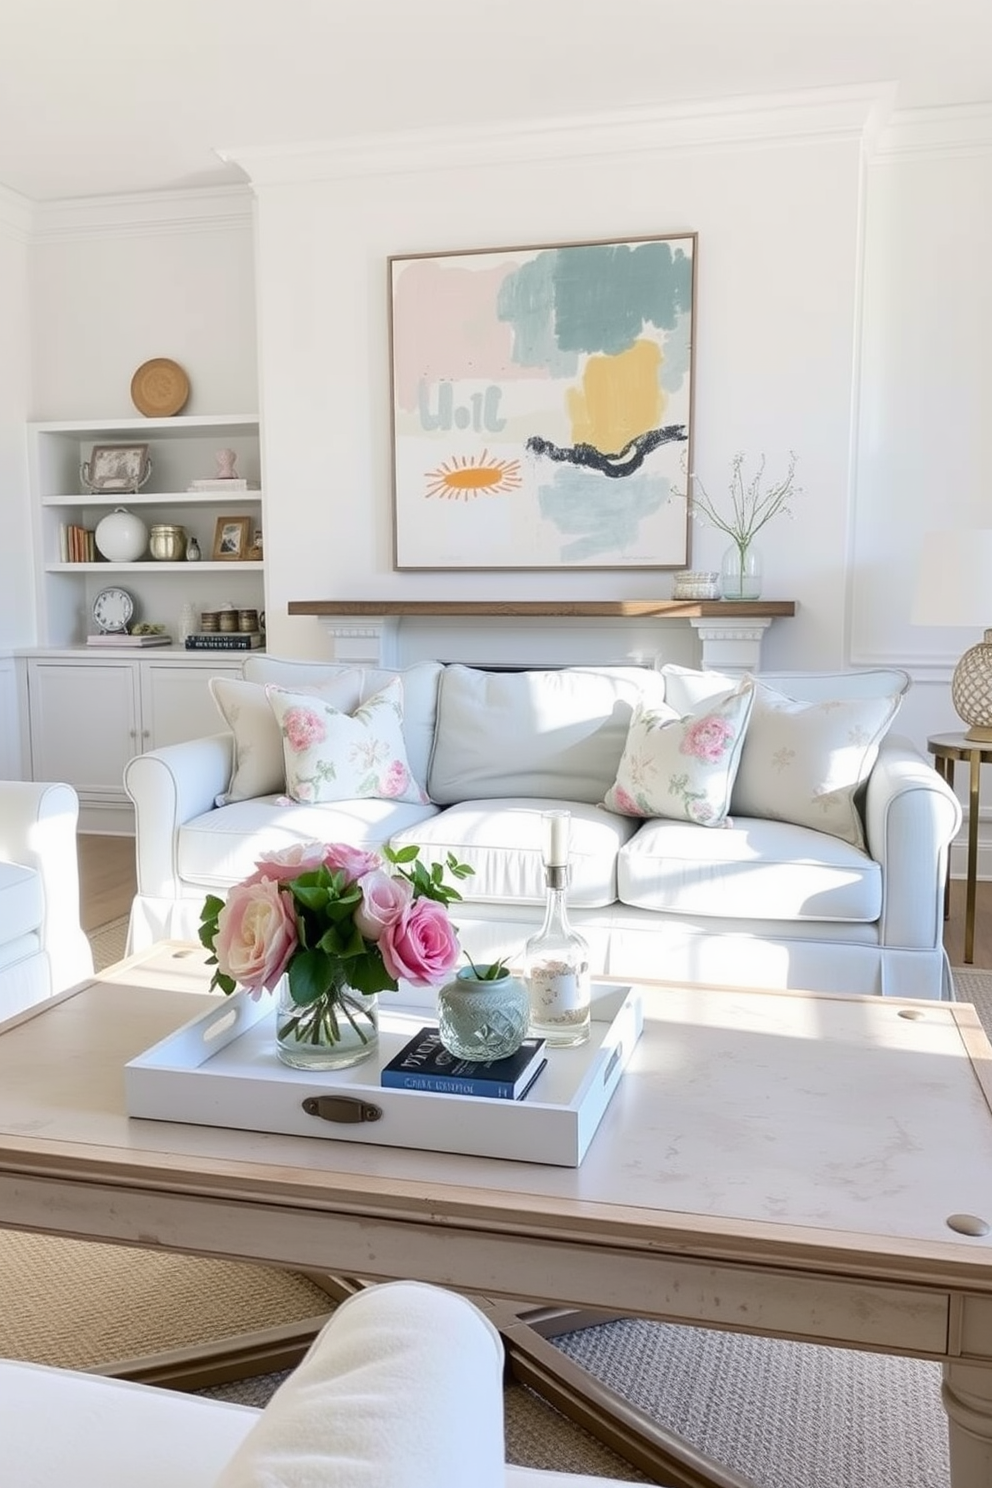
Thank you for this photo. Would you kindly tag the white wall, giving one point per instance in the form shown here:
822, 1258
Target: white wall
115, 284
777, 290
16, 587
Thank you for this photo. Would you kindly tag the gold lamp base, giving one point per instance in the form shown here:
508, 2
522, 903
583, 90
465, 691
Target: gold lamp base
971, 690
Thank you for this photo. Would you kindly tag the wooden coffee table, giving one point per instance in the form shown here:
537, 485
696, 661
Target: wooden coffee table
786, 1164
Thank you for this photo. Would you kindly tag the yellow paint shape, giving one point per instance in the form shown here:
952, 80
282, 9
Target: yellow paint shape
620, 397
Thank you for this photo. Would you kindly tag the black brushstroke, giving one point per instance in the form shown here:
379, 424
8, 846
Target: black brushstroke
632, 455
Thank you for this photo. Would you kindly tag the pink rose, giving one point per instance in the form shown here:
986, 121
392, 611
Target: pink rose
256, 935
707, 738
303, 728
288, 862
355, 862
625, 802
421, 946
383, 901
395, 780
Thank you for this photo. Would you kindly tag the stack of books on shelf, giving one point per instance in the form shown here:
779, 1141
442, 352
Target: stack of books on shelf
225, 640
425, 1064
76, 544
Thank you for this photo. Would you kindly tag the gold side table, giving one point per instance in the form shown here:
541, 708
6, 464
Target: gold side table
947, 749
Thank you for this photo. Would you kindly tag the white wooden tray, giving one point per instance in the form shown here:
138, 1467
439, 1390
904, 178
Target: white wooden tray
221, 1069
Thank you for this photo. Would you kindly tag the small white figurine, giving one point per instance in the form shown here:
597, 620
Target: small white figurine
225, 464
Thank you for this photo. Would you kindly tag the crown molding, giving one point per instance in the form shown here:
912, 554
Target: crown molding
158, 212
936, 133
15, 215
780, 118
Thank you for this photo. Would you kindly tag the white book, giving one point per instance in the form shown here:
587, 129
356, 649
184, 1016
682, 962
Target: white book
121, 638
219, 483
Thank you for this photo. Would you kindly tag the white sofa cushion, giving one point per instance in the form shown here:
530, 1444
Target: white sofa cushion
22, 902
683, 768
218, 848
540, 733
502, 841
420, 688
332, 755
747, 870
259, 767
687, 686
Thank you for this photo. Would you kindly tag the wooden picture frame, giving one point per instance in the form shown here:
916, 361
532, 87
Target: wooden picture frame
232, 536
542, 405
116, 467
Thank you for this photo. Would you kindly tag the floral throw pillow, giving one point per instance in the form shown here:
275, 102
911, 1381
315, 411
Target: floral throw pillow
806, 763
683, 768
335, 756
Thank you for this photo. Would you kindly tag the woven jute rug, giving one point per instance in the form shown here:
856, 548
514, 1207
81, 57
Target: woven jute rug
785, 1415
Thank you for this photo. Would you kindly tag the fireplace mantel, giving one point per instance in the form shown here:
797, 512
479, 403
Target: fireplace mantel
730, 631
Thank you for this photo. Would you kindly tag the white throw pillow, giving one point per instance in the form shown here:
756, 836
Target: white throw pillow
335, 756
259, 767
683, 768
805, 762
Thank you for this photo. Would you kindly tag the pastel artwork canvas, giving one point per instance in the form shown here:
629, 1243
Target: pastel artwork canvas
542, 405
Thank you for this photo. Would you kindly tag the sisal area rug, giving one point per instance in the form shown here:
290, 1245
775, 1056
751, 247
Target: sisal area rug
785, 1415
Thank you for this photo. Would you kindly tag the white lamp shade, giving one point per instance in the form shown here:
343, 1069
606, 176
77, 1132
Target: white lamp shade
954, 582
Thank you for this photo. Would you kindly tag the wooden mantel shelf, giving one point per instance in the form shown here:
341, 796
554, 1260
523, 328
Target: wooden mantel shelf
621, 609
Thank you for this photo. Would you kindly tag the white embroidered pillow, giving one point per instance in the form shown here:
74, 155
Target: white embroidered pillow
683, 768
335, 756
259, 767
805, 762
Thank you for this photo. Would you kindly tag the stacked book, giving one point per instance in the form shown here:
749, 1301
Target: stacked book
122, 638
223, 483
425, 1064
224, 640
76, 544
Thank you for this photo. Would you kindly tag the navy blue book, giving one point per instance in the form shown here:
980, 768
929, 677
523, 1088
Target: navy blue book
425, 1064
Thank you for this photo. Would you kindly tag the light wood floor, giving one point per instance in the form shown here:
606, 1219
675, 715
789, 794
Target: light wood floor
106, 871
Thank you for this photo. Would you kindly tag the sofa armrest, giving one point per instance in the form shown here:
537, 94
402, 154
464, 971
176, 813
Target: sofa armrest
169, 787
911, 817
38, 822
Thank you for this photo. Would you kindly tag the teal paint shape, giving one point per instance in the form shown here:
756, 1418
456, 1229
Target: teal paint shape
599, 518
597, 297
526, 301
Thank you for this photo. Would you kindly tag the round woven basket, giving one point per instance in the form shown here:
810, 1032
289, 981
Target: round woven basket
159, 388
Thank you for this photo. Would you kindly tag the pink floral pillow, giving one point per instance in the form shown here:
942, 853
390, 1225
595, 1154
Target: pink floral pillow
683, 768
335, 756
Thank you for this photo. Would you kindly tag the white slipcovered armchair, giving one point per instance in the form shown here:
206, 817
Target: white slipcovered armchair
42, 945
401, 1389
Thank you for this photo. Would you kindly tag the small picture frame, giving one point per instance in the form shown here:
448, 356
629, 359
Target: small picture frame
116, 467
254, 553
231, 538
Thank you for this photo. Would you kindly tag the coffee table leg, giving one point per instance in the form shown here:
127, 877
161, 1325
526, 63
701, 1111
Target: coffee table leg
967, 1396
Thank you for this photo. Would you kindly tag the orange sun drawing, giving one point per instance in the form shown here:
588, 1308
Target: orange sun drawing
458, 479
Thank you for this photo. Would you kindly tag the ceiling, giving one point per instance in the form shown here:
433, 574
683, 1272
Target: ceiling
105, 97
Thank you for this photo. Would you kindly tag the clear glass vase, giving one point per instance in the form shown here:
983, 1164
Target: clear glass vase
339, 1029
480, 1019
740, 574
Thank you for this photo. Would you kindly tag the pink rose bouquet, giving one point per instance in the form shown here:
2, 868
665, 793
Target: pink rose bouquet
336, 921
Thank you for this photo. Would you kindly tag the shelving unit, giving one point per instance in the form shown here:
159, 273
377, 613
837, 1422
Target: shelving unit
89, 710
181, 450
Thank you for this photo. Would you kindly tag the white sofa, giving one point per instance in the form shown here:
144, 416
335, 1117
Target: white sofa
402, 1387
42, 945
770, 898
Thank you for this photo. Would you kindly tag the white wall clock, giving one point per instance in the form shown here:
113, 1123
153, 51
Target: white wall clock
112, 609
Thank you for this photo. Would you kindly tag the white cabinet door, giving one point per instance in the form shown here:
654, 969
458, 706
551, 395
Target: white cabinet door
84, 722
176, 703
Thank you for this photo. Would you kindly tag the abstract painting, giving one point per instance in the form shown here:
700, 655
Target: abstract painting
542, 405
